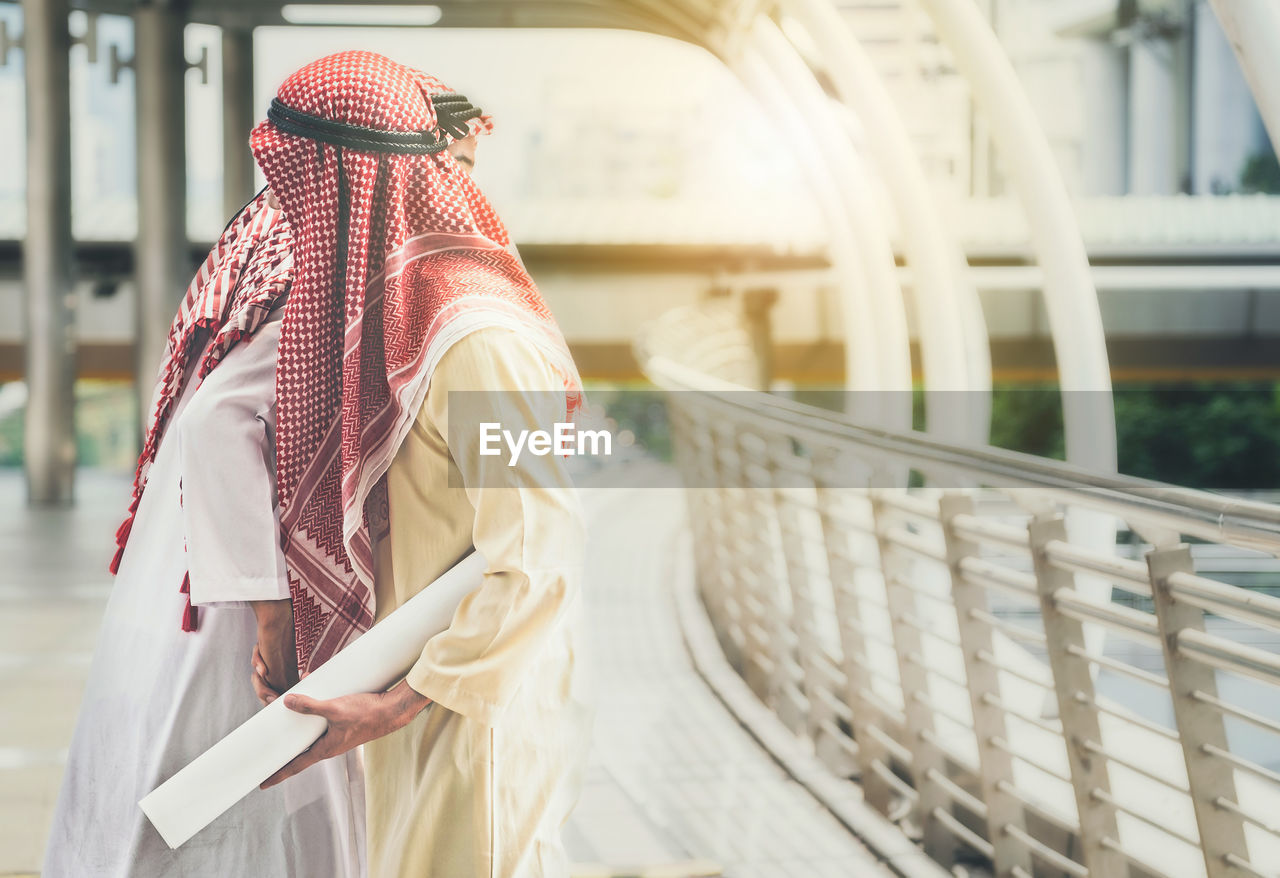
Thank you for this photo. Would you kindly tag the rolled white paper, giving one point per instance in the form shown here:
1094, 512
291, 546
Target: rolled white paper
235, 766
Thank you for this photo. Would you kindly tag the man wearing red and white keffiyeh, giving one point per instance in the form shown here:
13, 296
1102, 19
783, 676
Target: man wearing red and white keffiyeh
200, 578
406, 288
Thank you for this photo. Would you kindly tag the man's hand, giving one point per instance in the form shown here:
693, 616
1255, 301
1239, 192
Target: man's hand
267, 687
353, 720
275, 663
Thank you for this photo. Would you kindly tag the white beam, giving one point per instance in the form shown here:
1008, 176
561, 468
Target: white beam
954, 343
1070, 298
880, 309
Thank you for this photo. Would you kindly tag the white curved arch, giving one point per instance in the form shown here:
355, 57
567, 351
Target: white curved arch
862, 348
1071, 300
884, 295
1253, 28
953, 339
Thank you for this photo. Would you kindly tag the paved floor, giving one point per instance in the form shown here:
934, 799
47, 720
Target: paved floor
675, 787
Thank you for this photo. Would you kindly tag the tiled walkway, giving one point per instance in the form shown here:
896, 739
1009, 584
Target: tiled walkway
53, 589
675, 788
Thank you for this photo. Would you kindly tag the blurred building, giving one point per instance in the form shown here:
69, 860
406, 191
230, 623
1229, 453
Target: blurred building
1138, 97
637, 174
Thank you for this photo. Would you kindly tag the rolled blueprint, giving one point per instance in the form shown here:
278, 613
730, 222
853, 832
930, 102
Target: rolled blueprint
235, 766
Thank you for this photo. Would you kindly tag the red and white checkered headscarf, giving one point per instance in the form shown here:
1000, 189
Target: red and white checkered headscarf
239, 283
398, 256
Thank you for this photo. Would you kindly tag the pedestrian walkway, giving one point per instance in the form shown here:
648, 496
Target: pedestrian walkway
675, 786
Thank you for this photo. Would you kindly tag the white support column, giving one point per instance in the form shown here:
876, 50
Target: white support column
49, 443
1073, 685
790, 487
1253, 27
708, 515
883, 303
1192, 685
764, 573
995, 766
730, 582
843, 565
1071, 301
953, 337
927, 760
752, 580
1070, 298
161, 256
696, 462
862, 348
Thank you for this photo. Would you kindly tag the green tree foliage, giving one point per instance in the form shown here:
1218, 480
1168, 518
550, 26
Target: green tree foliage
1028, 419
1223, 436
1261, 174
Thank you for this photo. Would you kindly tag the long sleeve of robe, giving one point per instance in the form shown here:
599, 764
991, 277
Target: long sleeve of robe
480, 783
158, 696
225, 438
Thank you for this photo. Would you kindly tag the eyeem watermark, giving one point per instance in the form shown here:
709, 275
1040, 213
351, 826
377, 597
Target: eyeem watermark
563, 439
525, 438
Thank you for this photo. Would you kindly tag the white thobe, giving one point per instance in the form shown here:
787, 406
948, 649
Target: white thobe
158, 696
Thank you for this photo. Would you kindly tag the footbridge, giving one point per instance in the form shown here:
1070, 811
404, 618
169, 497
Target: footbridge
832, 641
1013, 693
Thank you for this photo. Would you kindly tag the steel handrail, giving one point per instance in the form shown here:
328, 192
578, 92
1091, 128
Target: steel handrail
777, 486
1185, 511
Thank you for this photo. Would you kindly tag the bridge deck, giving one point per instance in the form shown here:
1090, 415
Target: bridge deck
675, 786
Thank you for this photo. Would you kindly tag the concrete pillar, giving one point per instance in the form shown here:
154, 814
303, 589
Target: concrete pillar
1104, 148
1160, 108
1153, 168
1224, 110
1183, 45
756, 307
161, 259
237, 118
49, 433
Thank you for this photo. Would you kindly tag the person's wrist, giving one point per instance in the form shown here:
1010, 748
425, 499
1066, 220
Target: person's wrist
271, 627
273, 617
405, 703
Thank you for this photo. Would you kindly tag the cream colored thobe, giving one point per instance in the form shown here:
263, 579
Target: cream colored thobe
480, 783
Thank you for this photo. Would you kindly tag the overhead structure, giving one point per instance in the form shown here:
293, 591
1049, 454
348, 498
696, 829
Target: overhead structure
1070, 297
785, 48
874, 312
953, 339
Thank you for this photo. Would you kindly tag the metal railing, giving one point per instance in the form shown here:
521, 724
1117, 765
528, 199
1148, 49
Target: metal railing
936, 643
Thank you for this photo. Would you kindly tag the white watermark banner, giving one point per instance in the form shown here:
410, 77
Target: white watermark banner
1219, 437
